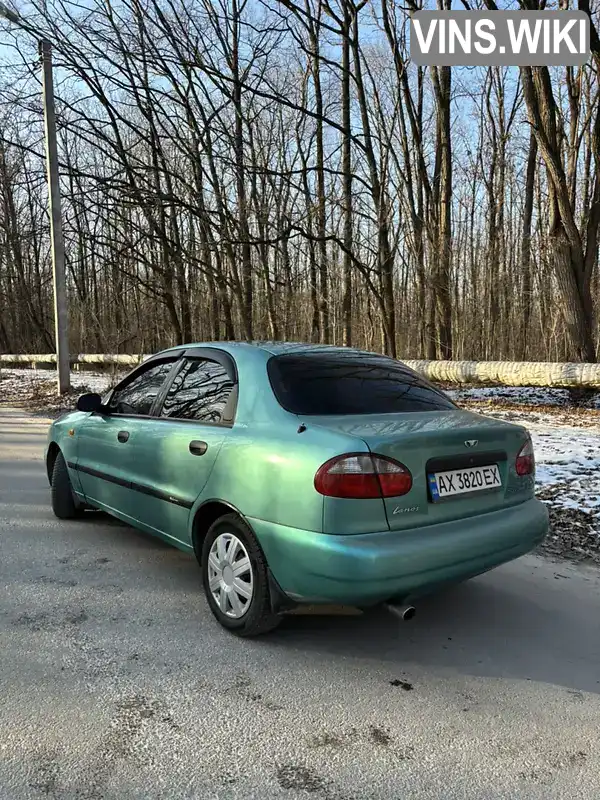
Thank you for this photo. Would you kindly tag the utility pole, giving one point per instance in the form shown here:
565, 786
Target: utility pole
61, 312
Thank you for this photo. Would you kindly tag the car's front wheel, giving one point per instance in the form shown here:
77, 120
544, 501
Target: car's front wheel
235, 578
63, 502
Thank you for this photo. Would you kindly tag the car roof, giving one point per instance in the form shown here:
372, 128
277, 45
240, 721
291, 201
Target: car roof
274, 348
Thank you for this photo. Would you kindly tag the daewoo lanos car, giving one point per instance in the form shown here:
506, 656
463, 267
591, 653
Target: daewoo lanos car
300, 474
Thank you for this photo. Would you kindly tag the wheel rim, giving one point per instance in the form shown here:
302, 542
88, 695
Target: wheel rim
230, 577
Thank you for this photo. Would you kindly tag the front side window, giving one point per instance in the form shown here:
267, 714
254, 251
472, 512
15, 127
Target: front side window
138, 393
350, 383
199, 391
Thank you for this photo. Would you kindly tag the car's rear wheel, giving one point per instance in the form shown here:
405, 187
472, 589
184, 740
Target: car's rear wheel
235, 578
63, 501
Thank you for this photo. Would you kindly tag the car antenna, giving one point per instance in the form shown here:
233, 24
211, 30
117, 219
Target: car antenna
301, 428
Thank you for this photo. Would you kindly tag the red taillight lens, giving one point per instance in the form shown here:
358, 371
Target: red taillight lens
363, 476
525, 461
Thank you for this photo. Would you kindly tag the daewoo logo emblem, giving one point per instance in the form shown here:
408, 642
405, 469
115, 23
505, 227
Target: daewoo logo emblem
471, 443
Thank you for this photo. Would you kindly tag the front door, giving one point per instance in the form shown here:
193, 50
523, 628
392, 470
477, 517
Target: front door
104, 441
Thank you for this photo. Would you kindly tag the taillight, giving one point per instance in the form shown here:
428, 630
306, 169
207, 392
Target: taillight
362, 476
525, 461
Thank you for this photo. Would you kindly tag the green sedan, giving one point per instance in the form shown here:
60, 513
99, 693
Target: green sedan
300, 474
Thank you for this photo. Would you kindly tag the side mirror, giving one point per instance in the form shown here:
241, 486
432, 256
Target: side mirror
89, 402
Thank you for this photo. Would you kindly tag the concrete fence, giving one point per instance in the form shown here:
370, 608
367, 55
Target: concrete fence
494, 373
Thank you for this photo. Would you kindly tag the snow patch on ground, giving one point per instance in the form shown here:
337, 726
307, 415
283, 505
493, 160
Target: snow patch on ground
36, 389
515, 395
569, 457
11, 380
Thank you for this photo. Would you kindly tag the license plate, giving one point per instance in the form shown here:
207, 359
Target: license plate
461, 481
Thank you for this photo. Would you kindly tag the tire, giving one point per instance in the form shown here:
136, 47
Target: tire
248, 613
63, 502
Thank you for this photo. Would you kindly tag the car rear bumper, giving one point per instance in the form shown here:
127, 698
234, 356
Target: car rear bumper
367, 569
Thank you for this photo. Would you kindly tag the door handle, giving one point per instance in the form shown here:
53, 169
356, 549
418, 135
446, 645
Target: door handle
198, 448
122, 436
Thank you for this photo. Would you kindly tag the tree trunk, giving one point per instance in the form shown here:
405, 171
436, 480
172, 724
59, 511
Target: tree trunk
526, 245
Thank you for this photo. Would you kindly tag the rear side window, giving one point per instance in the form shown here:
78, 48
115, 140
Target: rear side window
350, 383
200, 391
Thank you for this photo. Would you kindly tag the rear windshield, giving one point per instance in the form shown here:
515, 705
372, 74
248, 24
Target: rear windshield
350, 383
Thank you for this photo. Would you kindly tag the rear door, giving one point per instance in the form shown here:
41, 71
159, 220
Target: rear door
172, 458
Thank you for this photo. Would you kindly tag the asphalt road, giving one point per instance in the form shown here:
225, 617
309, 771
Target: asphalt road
115, 682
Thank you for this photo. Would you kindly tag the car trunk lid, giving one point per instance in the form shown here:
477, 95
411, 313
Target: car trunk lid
428, 443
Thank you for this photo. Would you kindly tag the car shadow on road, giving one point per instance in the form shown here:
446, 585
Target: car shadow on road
478, 628
114, 530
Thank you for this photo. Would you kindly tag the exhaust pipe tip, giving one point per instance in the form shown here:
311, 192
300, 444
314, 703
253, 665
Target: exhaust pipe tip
405, 613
